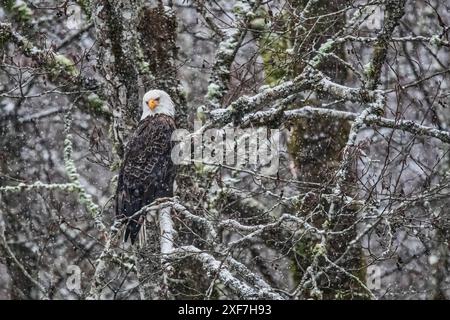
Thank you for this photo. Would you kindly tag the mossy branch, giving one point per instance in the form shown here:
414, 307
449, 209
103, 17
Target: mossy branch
71, 170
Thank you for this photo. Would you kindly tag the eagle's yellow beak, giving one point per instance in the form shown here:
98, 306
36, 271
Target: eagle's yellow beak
152, 104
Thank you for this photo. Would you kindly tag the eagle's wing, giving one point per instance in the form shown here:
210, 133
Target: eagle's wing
147, 172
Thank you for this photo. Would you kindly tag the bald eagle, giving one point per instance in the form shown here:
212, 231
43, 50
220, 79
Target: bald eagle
147, 172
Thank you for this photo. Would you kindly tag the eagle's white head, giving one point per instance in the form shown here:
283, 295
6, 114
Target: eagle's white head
157, 102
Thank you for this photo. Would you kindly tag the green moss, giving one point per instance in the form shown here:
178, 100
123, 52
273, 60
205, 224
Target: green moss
325, 48
8, 4
369, 71
241, 8
85, 5
303, 250
319, 249
62, 64
182, 93
143, 65
274, 47
371, 68
27, 47
115, 166
258, 24
201, 113
274, 54
21, 11
214, 91
436, 41
4, 35
95, 102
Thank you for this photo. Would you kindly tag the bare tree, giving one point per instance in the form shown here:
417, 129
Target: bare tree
350, 96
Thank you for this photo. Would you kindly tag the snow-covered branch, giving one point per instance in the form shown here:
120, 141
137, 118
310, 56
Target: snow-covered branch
228, 47
272, 117
213, 268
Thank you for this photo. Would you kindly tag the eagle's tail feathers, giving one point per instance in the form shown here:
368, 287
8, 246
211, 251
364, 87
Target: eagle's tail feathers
127, 233
136, 231
142, 236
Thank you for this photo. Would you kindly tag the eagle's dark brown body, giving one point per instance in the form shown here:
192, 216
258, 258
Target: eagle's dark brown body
147, 172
